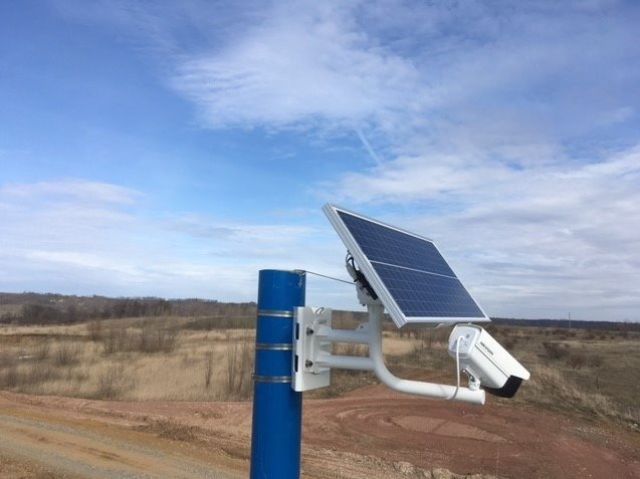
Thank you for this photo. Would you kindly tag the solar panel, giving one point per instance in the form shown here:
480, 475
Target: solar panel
406, 271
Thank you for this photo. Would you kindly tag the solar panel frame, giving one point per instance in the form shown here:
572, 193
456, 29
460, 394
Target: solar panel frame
365, 265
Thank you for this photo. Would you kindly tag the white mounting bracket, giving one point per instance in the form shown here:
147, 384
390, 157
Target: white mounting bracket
307, 372
313, 361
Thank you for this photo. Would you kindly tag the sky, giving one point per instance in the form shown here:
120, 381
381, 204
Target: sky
176, 148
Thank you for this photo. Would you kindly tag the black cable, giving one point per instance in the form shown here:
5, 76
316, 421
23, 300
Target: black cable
360, 278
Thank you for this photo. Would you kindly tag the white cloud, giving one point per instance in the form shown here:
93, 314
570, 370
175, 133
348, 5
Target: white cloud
543, 240
90, 191
507, 129
305, 64
418, 178
203, 227
81, 237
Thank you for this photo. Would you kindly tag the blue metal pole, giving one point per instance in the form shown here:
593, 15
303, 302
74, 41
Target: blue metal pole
277, 408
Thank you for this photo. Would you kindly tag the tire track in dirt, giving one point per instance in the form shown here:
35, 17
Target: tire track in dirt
497, 439
93, 450
370, 433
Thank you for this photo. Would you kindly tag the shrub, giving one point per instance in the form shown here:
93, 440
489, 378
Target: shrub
42, 351
153, 340
549, 386
10, 378
208, 369
40, 373
595, 361
239, 363
555, 350
39, 314
110, 383
15, 377
67, 354
115, 339
94, 330
577, 360
210, 323
590, 335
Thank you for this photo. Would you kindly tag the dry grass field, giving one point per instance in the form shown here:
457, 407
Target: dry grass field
166, 358
135, 359
575, 371
175, 358
579, 372
173, 364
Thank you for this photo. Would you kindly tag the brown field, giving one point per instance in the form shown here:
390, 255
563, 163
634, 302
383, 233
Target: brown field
169, 397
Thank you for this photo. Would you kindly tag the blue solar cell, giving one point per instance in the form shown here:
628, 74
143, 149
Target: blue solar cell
386, 245
407, 272
421, 294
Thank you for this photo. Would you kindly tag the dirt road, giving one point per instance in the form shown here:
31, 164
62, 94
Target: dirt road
371, 433
50, 443
496, 439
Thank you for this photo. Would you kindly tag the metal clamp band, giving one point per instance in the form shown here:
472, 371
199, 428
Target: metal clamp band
274, 346
276, 313
272, 379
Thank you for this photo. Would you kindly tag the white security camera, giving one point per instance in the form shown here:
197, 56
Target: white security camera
486, 362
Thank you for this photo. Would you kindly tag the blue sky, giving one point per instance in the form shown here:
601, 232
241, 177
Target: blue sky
175, 148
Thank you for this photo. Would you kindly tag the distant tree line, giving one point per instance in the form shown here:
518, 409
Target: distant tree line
569, 324
34, 308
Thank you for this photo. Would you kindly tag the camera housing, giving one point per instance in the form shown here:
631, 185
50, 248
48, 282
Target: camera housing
487, 363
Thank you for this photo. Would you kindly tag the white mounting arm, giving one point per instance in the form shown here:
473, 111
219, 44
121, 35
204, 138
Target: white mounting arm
313, 360
438, 391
